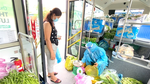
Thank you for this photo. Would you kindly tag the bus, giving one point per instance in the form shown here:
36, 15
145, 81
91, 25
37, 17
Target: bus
120, 27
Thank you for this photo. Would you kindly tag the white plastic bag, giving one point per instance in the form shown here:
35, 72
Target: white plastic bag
73, 50
126, 51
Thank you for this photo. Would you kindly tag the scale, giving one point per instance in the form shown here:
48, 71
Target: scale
77, 67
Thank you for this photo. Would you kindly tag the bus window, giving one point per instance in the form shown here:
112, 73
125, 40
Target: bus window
8, 30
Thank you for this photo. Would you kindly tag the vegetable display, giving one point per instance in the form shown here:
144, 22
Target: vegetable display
91, 39
128, 80
110, 34
15, 77
109, 76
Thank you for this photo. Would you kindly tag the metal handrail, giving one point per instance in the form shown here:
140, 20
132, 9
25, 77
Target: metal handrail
137, 23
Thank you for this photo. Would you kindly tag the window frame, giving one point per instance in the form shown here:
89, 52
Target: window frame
17, 19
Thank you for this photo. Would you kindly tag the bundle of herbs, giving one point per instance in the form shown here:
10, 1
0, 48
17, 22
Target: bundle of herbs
110, 34
15, 77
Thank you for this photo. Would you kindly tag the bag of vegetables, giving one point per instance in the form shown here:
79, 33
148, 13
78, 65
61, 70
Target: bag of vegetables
109, 76
128, 80
91, 71
69, 63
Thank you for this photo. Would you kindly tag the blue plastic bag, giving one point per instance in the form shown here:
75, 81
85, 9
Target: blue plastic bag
58, 57
103, 44
95, 54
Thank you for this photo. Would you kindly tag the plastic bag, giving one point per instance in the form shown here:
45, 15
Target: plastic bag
73, 50
128, 80
91, 71
58, 57
83, 79
103, 44
69, 63
127, 50
109, 76
5, 68
95, 54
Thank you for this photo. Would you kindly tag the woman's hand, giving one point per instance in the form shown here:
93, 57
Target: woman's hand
96, 64
59, 38
83, 65
52, 56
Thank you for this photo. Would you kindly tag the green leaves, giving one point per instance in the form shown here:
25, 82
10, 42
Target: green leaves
15, 77
111, 34
128, 80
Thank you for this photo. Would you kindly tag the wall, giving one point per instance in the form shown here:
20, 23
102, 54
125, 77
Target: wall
12, 49
10, 52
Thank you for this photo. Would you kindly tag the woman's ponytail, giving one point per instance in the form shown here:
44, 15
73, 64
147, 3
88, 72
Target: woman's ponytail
55, 11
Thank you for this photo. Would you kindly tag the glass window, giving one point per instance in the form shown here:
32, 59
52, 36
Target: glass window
8, 30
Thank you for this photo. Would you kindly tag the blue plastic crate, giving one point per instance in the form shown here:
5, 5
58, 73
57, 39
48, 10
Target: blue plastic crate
129, 32
144, 32
97, 25
114, 18
111, 24
119, 19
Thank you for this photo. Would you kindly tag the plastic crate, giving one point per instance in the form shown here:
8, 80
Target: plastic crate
97, 25
114, 18
119, 19
129, 32
110, 24
144, 32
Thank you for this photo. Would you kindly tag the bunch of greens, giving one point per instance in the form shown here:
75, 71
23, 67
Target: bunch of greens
128, 80
15, 77
109, 77
91, 39
110, 34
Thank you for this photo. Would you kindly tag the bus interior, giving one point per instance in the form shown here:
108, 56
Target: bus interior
21, 29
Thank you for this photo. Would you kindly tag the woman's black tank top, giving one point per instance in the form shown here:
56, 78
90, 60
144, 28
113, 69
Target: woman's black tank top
53, 37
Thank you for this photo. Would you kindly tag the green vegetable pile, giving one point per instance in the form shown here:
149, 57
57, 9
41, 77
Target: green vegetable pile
110, 34
109, 77
91, 39
15, 77
128, 80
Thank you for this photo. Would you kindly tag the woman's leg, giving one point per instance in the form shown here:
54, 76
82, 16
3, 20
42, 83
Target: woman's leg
50, 63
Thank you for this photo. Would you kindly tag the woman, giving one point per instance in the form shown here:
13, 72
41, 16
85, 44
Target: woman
95, 56
51, 41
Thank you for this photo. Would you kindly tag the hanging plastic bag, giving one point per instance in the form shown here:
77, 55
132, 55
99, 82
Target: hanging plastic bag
58, 57
69, 63
73, 50
91, 71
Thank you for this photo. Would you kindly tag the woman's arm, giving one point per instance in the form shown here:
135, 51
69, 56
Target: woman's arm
47, 34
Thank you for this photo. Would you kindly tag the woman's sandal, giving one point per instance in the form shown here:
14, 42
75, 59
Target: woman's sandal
55, 73
56, 81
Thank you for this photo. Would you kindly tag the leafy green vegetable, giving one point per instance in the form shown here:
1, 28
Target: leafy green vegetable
110, 34
128, 80
15, 77
91, 39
